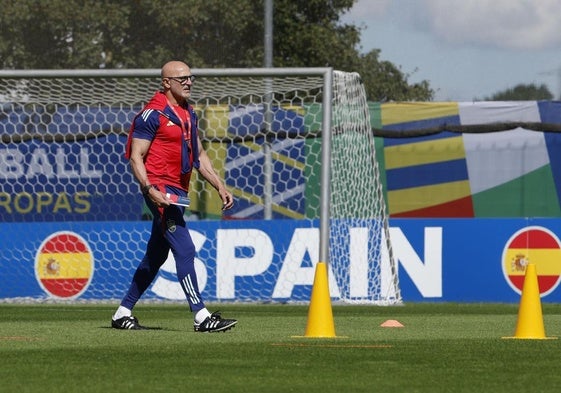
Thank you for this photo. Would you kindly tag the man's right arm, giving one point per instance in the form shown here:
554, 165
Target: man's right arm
139, 149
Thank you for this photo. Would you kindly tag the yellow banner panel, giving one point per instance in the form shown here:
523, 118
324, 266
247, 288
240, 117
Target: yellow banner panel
426, 152
403, 112
422, 197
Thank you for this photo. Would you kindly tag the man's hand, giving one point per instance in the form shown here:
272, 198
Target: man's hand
227, 199
160, 199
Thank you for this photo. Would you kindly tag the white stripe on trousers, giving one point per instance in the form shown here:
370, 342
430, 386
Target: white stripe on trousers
190, 289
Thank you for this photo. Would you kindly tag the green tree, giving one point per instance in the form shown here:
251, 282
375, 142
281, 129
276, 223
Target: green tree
384, 81
67, 34
207, 33
57, 34
523, 92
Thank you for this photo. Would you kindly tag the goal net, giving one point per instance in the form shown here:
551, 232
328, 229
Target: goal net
73, 225
360, 248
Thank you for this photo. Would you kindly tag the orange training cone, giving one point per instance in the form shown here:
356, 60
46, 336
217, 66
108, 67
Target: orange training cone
529, 324
320, 316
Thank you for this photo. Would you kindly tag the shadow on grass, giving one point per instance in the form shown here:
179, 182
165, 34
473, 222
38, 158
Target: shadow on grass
143, 328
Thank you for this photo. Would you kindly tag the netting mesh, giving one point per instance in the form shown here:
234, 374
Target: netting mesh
360, 251
62, 166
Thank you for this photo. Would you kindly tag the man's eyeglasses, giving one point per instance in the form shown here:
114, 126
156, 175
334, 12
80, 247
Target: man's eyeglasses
183, 79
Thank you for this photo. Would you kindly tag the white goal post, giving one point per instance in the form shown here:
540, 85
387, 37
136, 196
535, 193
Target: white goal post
294, 145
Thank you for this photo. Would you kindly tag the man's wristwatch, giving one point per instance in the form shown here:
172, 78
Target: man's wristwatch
146, 189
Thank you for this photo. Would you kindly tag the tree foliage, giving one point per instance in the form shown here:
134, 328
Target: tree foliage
523, 92
68, 34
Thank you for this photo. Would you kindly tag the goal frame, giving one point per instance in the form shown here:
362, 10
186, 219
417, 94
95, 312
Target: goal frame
327, 76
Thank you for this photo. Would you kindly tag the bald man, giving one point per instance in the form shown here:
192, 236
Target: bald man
163, 147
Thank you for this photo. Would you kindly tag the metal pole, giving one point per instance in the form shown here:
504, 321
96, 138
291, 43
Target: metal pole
268, 34
155, 72
325, 186
268, 115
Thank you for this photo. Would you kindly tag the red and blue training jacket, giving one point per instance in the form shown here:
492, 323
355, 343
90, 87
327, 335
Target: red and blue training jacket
174, 149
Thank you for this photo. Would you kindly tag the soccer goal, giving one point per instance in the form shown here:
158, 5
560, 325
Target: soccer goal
293, 145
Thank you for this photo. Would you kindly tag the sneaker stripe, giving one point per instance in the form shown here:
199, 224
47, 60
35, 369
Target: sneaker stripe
127, 323
215, 323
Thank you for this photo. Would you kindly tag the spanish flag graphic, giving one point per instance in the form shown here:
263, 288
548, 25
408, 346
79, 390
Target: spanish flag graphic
535, 245
64, 265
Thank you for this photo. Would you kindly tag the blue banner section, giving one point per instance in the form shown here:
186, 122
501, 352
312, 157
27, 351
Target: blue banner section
463, 260
86, 180
454, 260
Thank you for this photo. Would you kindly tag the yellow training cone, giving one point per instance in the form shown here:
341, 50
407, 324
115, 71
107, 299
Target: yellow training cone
529, 324
320, 316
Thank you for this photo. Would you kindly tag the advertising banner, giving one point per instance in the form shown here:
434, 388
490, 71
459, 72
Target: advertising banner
453, 260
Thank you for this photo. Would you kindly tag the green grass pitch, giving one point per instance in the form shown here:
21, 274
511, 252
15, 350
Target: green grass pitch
442, 347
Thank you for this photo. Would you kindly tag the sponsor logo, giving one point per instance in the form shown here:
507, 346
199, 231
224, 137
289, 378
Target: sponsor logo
64, 265
536, 245
171, 225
